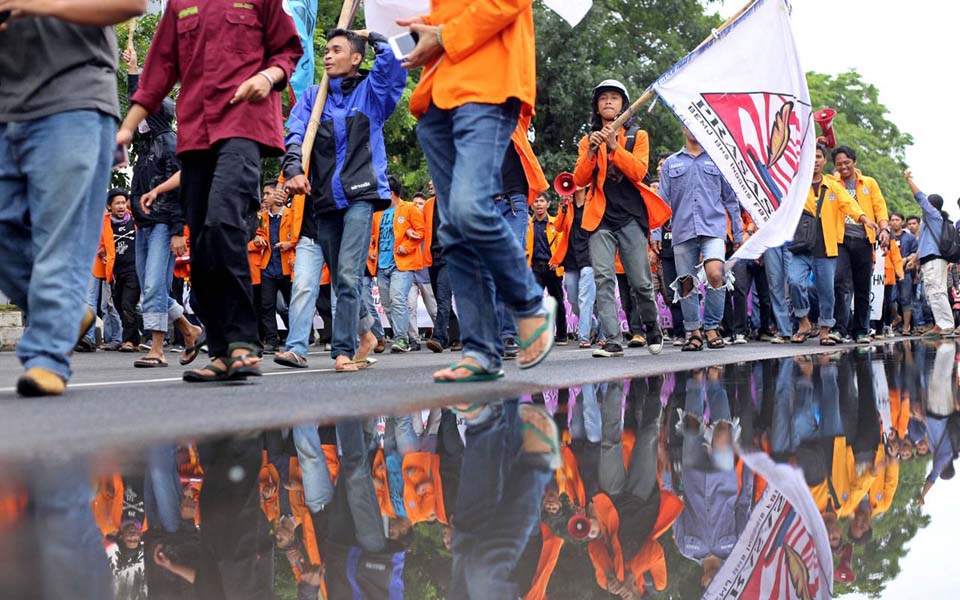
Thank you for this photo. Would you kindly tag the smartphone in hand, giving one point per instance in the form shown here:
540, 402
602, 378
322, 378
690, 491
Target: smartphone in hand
404, 44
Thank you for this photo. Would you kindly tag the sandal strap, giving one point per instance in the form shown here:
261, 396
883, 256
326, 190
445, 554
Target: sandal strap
554, 447
252, 348
213, 368
474, 369
526, 343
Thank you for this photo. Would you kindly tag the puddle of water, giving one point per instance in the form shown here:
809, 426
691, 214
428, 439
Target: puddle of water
779, 478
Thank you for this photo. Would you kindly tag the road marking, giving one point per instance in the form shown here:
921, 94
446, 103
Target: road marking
91, 384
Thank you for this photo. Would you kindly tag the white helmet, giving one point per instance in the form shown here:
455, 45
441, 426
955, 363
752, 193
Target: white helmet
611, 84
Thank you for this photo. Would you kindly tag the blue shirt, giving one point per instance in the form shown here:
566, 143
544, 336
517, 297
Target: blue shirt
907, 243
386, 260
274, 267
541, 245
701, 199
929, 242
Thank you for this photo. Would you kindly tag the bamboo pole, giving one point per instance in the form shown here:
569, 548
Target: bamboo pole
649, 94
131, 29
347, 13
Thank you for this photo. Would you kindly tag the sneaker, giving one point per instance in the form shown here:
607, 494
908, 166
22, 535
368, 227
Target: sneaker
270, 349
609, 350
327, 347
110, 347
434, 346
679, 341
415, 346
381, 346
457, 346
739, 339
637, 341
863, 339
146, 347
399, 347
778, 340
888, 332
85, 345
654, 339
560, 341
766, 336
835, 336
177, 349
511, 349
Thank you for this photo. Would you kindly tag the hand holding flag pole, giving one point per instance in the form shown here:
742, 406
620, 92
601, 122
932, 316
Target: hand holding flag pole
649, 94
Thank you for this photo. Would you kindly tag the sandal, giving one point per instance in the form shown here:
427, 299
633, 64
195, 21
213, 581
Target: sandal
550, 437
801, 337
717, 342
551, 318
290, 359
477, 374
827, 341
190, 354
694, 343
235, 368
149, 362
196, 376
127, 347
586, 345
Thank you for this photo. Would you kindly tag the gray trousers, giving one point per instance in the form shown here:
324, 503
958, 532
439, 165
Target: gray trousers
641, 478
632, 243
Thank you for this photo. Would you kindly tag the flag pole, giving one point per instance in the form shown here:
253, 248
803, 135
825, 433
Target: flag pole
649, 94
347, 13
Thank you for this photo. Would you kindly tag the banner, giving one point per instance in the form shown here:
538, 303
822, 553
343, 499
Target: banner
784, 551
382, 15
571, 11
304, 13
876, 284
743, 95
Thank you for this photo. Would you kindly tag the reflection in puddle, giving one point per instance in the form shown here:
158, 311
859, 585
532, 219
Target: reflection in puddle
784, 478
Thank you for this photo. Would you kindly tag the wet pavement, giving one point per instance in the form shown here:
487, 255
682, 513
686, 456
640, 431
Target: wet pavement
805, 476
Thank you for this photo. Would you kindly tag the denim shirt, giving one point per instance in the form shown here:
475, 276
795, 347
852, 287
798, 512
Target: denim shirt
930, 230
700, 197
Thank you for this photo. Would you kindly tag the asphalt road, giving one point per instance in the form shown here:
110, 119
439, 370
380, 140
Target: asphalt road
110, 406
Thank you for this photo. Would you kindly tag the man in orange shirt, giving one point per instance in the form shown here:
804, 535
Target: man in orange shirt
468, 110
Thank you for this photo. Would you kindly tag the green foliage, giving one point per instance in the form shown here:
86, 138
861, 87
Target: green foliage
284, 583
863, 123
427, 565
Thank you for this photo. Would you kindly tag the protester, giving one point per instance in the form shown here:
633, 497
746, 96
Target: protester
932, 265
903, 298
421, 287
58, 114
702, 202
466, 114
572, 254
620, 213
279, 243
446, 328
347, 183
220, 157
120, 246
855, 250
827, 204
541, 243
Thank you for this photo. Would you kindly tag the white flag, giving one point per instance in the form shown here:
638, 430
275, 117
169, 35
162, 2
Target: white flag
572, 11
744, 97
382, 15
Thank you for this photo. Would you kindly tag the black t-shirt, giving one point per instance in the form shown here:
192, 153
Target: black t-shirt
624, 203
820, 246
578, 248
514, 179
124, 240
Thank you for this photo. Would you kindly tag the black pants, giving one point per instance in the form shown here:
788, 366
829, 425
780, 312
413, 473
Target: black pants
221, 190
325, 309
852, 281
549, 279
668, 269
269, 287
126, 295
630, 305
446, 329
747, 273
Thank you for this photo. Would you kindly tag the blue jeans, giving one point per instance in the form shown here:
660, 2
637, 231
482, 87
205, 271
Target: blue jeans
345, 239
155, 262
307, 269
162, 489
317, 485
823, 269
464, 148
687, 256
112, 328
498, 506
367, 290
581, 293
394, 296
776, 262
53, 173
514, 211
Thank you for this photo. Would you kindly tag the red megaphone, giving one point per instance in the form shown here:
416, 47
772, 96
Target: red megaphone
844, 572
824, 118
563, 184
578, 527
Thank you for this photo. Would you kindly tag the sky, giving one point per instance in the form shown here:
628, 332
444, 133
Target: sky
906, 49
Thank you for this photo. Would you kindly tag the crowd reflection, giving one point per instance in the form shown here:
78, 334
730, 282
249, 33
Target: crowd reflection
647, 487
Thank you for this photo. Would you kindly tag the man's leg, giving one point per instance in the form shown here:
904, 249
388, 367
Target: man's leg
386, 302
307, 268
744, 278
823, 274
351, 315
686, 255
712, 250
636, 265
126, 294
555, 288
93, 301
268, 309
843, 291
935, 286
613, 473
317, 484
367, 289
112, 325
400, 284
514, 211
776, 262
603, 251
861, 266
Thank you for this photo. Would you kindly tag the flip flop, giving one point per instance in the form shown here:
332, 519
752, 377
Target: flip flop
551, 306
236, 370
297, 362
550, 437
149, 362
801, 337
219, 374
127, 349
190, 354
478, 374
366, 363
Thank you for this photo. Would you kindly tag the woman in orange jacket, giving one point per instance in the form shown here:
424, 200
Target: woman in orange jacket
620, 213
467, 111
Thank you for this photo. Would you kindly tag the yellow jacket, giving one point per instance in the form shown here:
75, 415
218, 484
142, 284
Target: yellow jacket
553, 238
870, 199
837, 204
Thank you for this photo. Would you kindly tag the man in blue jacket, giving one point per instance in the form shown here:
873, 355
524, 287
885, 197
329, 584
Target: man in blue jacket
346, 184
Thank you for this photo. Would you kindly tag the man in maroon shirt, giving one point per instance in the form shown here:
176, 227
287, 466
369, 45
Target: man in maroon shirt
229, 58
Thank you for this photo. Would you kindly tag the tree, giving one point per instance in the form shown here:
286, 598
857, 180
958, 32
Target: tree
863, 123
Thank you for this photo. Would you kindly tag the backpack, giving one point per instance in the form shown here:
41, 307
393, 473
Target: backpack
949, 242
